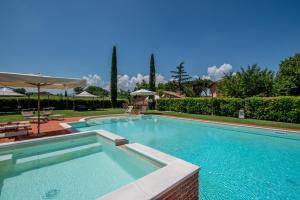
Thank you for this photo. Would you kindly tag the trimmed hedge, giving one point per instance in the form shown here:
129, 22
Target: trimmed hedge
13, 104
284, 109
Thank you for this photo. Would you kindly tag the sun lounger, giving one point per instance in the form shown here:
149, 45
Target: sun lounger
29, 115
14, 133
57, 116
129, 110
14, 129
47, 111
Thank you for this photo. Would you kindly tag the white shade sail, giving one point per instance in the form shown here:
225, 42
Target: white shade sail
85, 94
142, 92
9, 92
33, 80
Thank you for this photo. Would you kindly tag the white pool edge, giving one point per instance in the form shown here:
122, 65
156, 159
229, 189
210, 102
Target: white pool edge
156, 183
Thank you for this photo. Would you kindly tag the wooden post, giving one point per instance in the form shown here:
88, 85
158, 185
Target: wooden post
39, 87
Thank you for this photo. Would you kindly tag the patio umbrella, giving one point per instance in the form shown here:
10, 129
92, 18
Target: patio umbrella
142, 92
38, 81
9, 92
85, 94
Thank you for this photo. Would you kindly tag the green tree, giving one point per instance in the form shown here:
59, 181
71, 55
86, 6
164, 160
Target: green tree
141, 85
78, 90
287, 80
230, 85
252, 81
152, 74
20, 90
98, 91
197, 87
168, 86
114, 78
180, 76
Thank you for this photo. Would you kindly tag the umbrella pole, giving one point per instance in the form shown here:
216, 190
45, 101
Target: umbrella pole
39, 87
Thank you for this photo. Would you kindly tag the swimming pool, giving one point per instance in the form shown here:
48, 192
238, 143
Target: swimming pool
83, 166
236, 162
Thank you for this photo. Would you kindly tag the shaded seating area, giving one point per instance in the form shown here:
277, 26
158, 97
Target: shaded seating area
83, 107
141, 100
38, 82
28, 114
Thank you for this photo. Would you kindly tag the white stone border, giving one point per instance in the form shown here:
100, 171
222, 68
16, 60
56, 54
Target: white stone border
158, 182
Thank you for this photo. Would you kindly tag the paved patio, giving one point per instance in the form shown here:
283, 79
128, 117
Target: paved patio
50, 128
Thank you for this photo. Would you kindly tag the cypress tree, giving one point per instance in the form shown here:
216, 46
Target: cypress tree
114, 78
152, 74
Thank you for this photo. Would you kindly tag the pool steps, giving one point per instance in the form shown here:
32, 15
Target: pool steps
51, 154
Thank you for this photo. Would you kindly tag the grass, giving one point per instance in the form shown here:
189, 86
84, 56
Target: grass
108, 111
231, 120
67, 113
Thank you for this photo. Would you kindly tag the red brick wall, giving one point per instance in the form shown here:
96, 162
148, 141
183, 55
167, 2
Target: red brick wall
186, 190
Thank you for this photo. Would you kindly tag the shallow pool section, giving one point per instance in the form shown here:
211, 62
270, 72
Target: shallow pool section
236, 162
84, 166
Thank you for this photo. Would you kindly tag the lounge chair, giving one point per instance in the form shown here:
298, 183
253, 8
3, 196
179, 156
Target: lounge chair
29, 115
47, 111
14, 129
129, 110
57, 117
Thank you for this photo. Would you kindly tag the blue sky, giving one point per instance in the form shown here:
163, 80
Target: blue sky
75, 38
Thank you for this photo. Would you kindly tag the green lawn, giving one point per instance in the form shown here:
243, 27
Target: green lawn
231, 119
71, 113
67, 113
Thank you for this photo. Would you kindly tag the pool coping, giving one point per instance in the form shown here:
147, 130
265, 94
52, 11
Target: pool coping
230, 124
183, 118
157, 183
151, 186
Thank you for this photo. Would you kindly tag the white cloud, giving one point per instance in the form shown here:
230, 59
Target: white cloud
93, 79
125, 82
128, 83
216, 73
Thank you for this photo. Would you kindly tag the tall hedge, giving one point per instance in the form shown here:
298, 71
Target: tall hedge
12, 104
284, 109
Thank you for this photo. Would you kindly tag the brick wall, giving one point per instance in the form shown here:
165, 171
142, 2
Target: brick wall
186, 190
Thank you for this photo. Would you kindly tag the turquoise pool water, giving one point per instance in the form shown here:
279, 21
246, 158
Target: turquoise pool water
74, 168
236, 162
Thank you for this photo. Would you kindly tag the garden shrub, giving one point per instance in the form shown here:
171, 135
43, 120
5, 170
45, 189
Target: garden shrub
284, 109
13, 104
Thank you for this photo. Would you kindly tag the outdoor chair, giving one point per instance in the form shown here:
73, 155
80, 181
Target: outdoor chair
129, 110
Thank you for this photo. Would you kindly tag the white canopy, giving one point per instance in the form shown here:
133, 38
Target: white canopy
34, 80
85, 94
9, 92
142, 92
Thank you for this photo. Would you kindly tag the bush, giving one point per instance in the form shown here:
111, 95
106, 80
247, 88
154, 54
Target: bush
284, 109
13, 104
